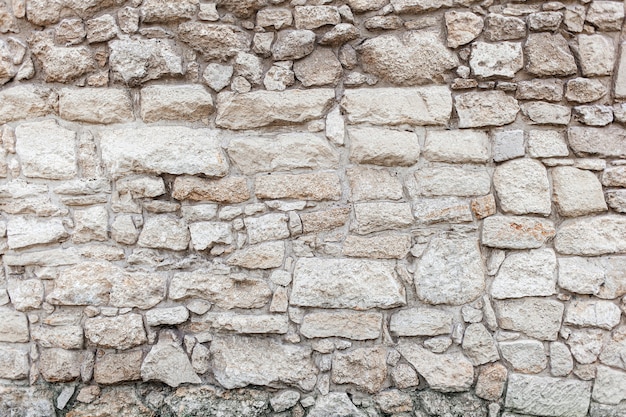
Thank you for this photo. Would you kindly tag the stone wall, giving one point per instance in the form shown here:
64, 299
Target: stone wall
312, 208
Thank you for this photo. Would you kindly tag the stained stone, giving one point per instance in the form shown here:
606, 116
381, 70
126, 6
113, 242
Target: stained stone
501, 28
491, 381
214, 42
364, 367
606, 15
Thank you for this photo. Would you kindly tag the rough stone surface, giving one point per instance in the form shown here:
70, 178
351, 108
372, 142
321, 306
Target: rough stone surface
350, 325
121, 332
536, 317
378, 146
503, 59
364, 367
452, 180
548, 55
585, 198
457, 146
525, 356
594, 236
526, 274
522, 187
479, 346
492, 108
421, 322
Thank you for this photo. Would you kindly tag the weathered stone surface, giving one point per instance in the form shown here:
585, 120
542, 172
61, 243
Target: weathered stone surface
614, 350
616, 199
525, 356
450, 180
443, 372
415, 58
607, 142
526, 274
25, 102
585, 345
59, 365
318, 186
268, 227
168, 316
46, 150
262, 108
319, 68
168, 363
350, 325
561, 362
500, 28
13, 363
293, 44
577, 192
418, 106
550, 89
66, 337
388, 246
516, 232
593, 115
378, 216
491, 381
218, 287
547, 144
548, 55
478, 345
436, 277
90, 224
547, 396
546, 113
606, 15
584, 90
165, 11
378, 146
609, 385
112, 368
441, 210
591, 236
134, 61
113, 401
120, 332
503, 59
536, 317
61, 64
364, 367
457, 146
491, 108
23, 232
373, 184
278, 18
508, 144
522, 187
161, 102
264, 255
239, 361
335, 403
462, 27
214, 42
164, 232
597, 276
324, 219
313, 17
596, 54
95, 105
240, 323
421, 321
346, 283
593, 313
226, 190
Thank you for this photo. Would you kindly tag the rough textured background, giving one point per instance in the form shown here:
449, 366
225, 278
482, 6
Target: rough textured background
323, 208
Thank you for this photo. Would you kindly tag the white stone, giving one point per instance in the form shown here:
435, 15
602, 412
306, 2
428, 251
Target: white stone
540, 112
240, 323
606, 15
206, 234
337, 403
373, 184
516, 232
378, 216
596, 55
441, 210
585, 344
175, 102
90, 224
526, 356
95, 105
168, 316
508, 144
264, 255
164, 232
350, 325
547, 144
536, 317
13, 363
120, 332
167, 362
23, 232
13, 326
502, 59
522, 187
577, 192
450, 180
490, 108
609, 386
479, 345
457, 146
614, 351
217, 76
591, 236
561, 362
25, 294
378, 146
421, 321
593, 313
526, 274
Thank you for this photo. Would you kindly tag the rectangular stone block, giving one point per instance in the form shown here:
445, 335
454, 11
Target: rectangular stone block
346, 283
95, 105
378, 146
453, 181
175, 102
229, 190
240, 323
377, 216
421, 322
419, 106
23, 232
13, 326
516, 232
13, 363
318, 186
386, 246
25, 102
350, 325
457, 146
603, 142
591, 236
536, 317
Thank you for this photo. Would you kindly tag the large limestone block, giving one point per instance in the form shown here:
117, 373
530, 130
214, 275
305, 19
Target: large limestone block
165, 11
591, 236
536, 317
46, 150
602, 142
23, 232
13, 363
450, 180
219, 287
350, 325
609, 386
66, 337
516, 232
415, 57
523, 188
457, 146
525, 356
316, 186
547, 396
25, 102
134, 61
120, 332
264, 255
229, 190
346, 283
577, 192
167, 362
490, 108
263, 108
377, 216
240, 323
420, 106
462, 27
364, 367
437, 279
421, 321
189, 151
451, 372
271, 226
59, 365
441, 210
502, 59
606, 15
614, 351
597, 56
175, 102
320, 68
373, 184
479, 345
540, 112
239, 361
604, 277
13, 326
164, 232
284, 152
548, 55
95, 105
526, 274
378, 146
593, 313
113, 368
214, 42
386, 246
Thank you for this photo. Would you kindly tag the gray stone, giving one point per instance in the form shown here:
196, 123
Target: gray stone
596, 55
591, 236
167, 316
336, 404
526, 356
13, 363
421, 321
508, 144
609, 386
546, 113
547, 396
550, 89
120, 332
23, 232
168, 10
502, 59
548, 55
346, 283
350, 325
522, 187
544, 21
526, 274
606, 15
614, 351
285, 400
593, 115
584, 90
561, 362
536, 317
164, 232
586, 345
113, 368
217, 76
436, 277
479, 346
490, 108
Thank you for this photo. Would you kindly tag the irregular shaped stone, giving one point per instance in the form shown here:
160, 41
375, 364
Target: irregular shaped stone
261, 256
591, 236
606, 15
388, 246
134, 61
596, 54
313, 17
372, 145
415, 58
120, 332
325, 219
607, 142
593, 115
373, 184
513, 232
547, 396
13, 363
239, 361
548, 55
526, 274
491, 381
526, 356
268, 227
285, 400
589, 276
218, 287
217, 76
168, 10
335, 403
66, 337
616, 199
585, 345
490, 108
349, 325
90, 224
457, 146
293, 44
450, 180
547, 144
614, 351
502, 59
205, 234
340, 34
561, 362
441, 210
240, 323
536, 317
609, 385
443, 372
113, 401
319, 68
95, 105
190, 151
113, 368
13, 326
346, 283
418, 106
279, 18
522, 187
501, 28
190, 102
544, 21
46, 150
229, 190
593, 313
377, 216
577, 192
168, 316
59, 365
584, 90
168, 363
361, 6
462, 27
317, 186
550, 89
545, 113
478, 345
421, 321
23, 232
25, 102
164, 232
364, 367
263, 108
283, 152
61, 64
214, 42
436, 277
